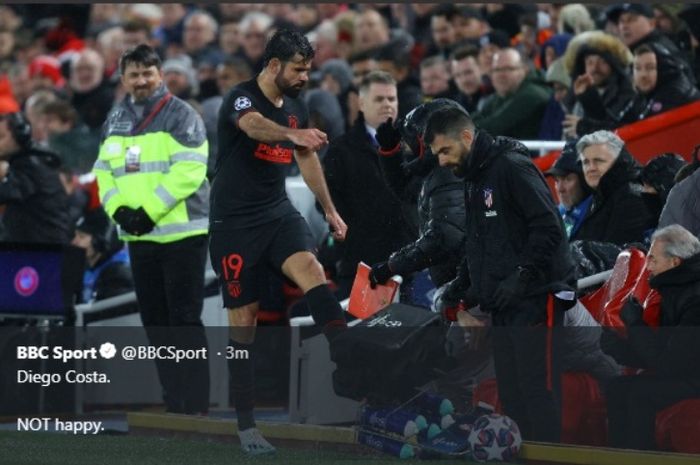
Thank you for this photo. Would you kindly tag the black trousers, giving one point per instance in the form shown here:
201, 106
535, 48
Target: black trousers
528, 369
634, 401
169, 282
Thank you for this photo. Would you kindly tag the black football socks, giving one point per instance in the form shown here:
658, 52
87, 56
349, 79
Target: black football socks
243, 384
326, 311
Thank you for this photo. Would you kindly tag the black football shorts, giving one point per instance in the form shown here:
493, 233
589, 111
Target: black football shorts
240, 256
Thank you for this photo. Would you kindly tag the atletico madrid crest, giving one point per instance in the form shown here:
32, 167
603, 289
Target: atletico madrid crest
488, 197
234, 288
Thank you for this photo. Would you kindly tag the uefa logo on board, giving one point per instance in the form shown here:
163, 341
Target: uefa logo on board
26, 281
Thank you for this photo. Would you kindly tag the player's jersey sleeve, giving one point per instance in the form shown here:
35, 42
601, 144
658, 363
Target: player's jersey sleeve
240, 102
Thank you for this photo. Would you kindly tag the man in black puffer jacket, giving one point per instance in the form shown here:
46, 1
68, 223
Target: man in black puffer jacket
618, 213
518, 261
670, 354
36, 204
440, 201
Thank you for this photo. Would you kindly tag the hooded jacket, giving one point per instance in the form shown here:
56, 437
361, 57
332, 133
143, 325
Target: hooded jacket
667, 53
36, 202
609, 107
618, 214
512, 221
673, 88
441, 219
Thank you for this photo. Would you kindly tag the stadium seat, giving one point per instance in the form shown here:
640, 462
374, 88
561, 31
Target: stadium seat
678, 427
584, 419
608, 297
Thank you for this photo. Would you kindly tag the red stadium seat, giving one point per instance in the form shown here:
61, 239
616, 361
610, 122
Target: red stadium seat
583, 408
628, 266
678, 427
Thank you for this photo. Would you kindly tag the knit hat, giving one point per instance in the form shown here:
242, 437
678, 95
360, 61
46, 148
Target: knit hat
614, 12
182, 64
340, 71
47, 66
557, 73
567, 162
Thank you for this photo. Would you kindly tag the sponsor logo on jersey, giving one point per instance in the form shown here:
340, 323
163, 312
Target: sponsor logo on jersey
241, 103
276, 154
293, 122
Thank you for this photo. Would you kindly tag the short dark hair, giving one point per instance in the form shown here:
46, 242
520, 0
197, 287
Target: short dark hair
642, 49
238, 64
448, 10
285, 44
376, 77
396, 54
448, 121
62, 110
142, 54
364, 55
465, 51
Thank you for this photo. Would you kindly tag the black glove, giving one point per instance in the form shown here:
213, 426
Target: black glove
632, 313
513, 288
123, 216
455, 298
610, 340
380, 274
134, 221
388, 136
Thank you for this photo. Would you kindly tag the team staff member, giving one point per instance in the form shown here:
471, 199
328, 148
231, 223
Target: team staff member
253, 224
517, 255
151, 173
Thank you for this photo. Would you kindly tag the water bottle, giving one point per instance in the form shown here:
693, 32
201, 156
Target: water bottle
397, 421
386, 445
434, 403
444, 421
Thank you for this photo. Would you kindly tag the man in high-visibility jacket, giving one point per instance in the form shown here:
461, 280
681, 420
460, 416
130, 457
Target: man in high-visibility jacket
151, 173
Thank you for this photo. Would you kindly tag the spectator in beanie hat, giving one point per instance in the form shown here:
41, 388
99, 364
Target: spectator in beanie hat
45, 73
108, 272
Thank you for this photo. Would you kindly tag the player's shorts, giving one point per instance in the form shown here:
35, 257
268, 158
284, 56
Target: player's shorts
240, 257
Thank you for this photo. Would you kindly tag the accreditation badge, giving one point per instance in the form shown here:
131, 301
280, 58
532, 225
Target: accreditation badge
133, 159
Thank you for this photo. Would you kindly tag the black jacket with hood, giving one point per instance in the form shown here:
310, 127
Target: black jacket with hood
618, 213
610, 108
35, 200
441, 218
512, 221
673, 88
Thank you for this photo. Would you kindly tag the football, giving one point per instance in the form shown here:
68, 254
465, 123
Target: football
494, 437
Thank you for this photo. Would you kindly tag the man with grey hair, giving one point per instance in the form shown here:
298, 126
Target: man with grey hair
618, 213
199, 38
670, 354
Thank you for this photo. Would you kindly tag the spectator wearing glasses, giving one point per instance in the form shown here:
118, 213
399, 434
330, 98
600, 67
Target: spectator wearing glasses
517, 106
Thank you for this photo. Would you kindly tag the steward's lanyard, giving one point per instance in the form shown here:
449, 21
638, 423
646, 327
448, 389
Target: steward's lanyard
156, 109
